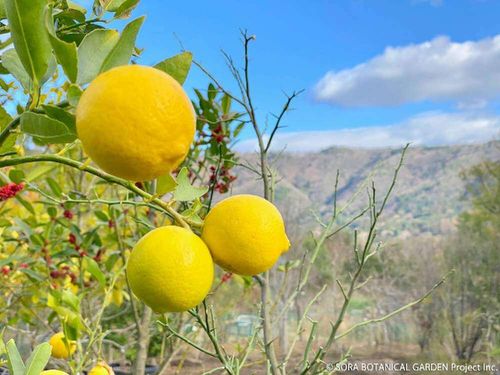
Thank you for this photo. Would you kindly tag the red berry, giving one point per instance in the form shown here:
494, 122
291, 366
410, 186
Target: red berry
23, 265
5, 270
72, 238
68, 214
10, 190
226, 277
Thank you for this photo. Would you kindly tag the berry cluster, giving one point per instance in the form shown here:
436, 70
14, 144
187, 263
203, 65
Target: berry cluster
10, 190
221, 180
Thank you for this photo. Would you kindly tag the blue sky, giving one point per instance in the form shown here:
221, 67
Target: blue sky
431, 75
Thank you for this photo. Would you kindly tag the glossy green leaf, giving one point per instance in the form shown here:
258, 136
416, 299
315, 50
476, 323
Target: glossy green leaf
73, 95
93, 268
125, 8
177, 66
46, 129
165, 184
60, 114
15, 362
92, 53
185, 192
38, 359
11, 62
26, 22
66, 53
123, 50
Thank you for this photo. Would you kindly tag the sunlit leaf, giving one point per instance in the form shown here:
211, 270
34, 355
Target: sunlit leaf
92, 53
124, 48
66, 53
177, 66
184, 191
11, 62
38, 359
46, 129
165, 184
26, 22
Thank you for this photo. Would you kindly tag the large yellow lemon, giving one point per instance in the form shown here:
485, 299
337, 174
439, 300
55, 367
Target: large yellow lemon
101, 369
135, 122
245, 234
170, 269
61, 347
53, 372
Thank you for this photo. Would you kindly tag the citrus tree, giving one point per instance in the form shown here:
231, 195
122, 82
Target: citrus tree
109, 227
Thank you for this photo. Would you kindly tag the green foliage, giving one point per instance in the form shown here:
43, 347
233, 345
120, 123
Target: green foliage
35, 363
26, 21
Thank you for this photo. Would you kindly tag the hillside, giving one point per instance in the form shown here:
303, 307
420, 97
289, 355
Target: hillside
428, 196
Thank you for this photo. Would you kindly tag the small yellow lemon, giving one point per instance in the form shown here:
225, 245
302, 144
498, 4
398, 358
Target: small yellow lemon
135, 122
170, 269
61, 347
101, 369
245, 234
53, 372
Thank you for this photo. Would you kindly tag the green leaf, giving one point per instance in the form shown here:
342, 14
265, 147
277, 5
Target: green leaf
46, 129
226, 104
66, 53
16, 176
38, 359
165, 184
123, 50
5, 119
54, 186
39, 171
60, 114
177, 66
26, 22
3, 14
11, 62
25, 204
74, 94
16, 364
92, 53
184, 191
125, 8
93, 268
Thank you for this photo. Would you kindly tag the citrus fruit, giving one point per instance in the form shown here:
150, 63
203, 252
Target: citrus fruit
245, 234
53, 372
170, 269
101, 369
61, 347
135, 122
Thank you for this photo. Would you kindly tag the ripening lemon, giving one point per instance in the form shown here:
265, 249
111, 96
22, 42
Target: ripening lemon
101, 369
245, 234
170, 269
61, 347
53, 372
135, 122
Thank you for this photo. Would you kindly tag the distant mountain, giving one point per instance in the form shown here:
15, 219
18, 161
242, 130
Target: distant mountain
427, 198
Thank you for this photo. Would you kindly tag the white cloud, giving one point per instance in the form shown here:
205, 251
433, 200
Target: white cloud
429, 129
437, 70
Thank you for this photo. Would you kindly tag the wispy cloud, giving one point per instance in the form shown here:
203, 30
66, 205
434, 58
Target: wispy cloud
429, 129
437, 70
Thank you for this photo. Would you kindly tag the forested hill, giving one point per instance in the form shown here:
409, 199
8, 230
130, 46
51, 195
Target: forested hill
427, 199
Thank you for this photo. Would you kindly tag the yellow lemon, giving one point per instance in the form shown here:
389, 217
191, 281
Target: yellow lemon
101, 369
170, 269
53, 372
245, 234
135, 122
61, 347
